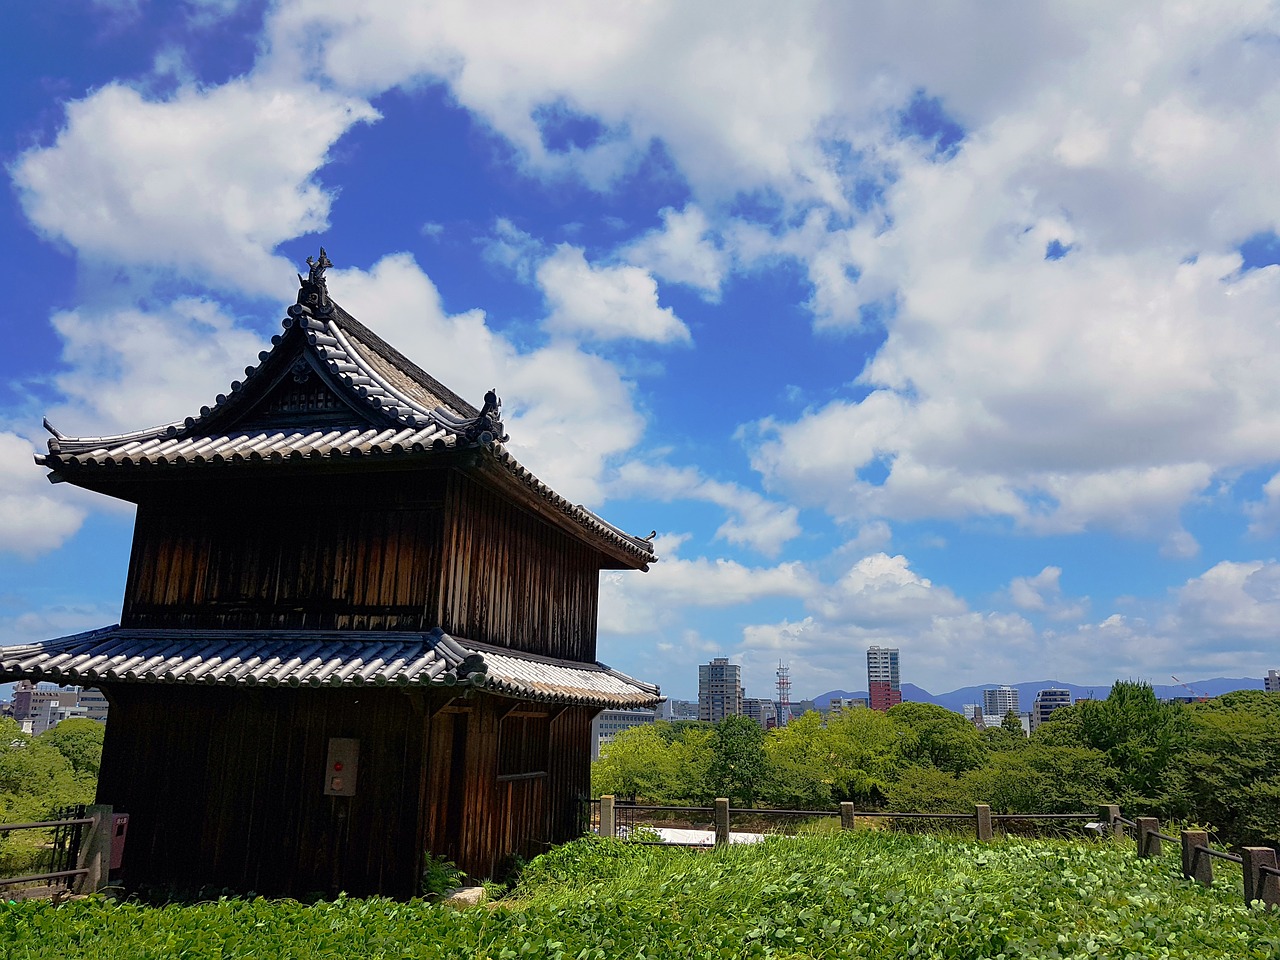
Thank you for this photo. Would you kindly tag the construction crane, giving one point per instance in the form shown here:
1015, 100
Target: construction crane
1200, 697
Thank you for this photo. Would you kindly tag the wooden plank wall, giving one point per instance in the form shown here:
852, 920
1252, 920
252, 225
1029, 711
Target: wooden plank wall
331, 553
396, 551
225, 786
512, 580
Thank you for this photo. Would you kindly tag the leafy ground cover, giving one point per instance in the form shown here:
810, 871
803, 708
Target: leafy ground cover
861, 894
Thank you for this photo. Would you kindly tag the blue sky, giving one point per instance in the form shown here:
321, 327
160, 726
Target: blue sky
951, 328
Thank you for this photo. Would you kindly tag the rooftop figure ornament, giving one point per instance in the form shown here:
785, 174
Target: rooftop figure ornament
314, 292
487, 427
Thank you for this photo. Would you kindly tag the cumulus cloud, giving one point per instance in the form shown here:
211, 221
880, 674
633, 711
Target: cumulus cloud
1103, 387
568, 412
204, 181
1105, 395
129, 368
634, 603
1264, 514
883, 591
683, 251
754, 521
604, 302
1043, 594
33, 520
55, 621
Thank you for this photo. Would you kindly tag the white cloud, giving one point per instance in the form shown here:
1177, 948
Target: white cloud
1264, 514
55, 621
33, 519
1061, 397
1043, 594
205, 181
683, 251
1230, 603
1103, 389
883, 591
129, 368
637, 603
568, 412
754, 521
604, 303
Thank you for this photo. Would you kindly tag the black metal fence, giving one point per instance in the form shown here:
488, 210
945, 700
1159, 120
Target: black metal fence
43, 856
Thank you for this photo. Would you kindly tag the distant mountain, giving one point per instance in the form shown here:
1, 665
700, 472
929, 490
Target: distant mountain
956, 699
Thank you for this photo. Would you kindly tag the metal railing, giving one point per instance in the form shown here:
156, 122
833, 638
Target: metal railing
57, 854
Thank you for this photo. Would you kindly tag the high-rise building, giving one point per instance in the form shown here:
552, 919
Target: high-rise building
999, 701
1272, 683
762, 711
609, 723
839, 704
719, 690
678, 710
882, 677
1048, 701
37, 707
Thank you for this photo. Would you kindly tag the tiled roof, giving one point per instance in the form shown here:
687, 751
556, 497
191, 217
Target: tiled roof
316, 659
405, 412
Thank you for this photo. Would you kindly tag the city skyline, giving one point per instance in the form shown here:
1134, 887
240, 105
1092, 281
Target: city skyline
949, 332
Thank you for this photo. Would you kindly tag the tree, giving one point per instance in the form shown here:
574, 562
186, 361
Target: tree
816, 764
637, 764
934, 736
1140, 737
35, 778
739, 767
1012, 723
1230, 773
80, 741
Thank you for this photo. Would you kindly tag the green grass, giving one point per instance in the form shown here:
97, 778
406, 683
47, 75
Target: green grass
863, 894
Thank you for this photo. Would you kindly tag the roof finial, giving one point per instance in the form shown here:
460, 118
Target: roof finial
314, 292
488, 426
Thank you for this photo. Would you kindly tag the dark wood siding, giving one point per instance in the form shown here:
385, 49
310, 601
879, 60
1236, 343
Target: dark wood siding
318, 553
400, 551
225, 788
513, 580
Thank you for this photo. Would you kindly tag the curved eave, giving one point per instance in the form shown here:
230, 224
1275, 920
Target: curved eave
365, 370
315, 659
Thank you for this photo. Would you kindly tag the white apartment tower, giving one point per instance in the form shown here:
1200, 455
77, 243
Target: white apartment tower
998, 702
719, 690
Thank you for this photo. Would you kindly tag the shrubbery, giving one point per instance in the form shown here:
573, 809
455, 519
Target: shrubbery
1216, 762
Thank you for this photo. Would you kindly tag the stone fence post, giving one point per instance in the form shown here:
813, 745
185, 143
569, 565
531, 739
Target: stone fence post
1149, 844
1109, 814
1259, 885
1196, 865
95, 850
608, 820
847, 817
722, 821
982, 820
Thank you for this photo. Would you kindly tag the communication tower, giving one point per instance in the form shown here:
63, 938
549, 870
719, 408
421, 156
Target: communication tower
784, 694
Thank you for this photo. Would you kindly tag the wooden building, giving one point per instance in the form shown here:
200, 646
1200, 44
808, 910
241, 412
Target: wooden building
356, 632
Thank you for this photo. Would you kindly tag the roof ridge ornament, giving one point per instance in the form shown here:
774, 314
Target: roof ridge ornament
488, 428
314, 292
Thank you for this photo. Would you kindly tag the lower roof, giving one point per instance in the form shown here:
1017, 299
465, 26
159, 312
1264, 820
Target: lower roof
319, 659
